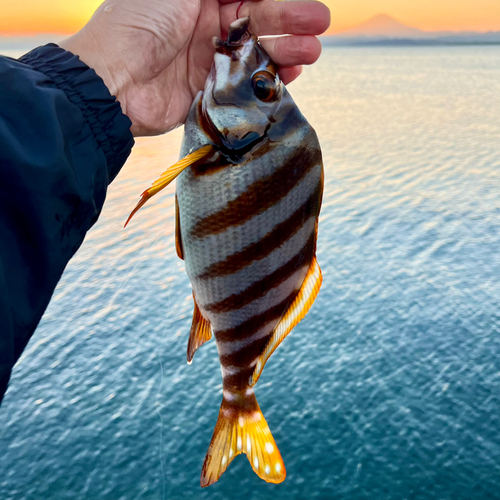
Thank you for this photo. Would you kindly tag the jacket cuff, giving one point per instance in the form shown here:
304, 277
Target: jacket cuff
85, 89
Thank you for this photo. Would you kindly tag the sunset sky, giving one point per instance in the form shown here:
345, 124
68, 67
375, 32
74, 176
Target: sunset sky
67, 16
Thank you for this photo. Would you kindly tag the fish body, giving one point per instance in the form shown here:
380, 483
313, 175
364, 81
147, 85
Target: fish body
249, 190
246, 228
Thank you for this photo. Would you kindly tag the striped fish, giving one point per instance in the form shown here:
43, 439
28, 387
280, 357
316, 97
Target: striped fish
247, 218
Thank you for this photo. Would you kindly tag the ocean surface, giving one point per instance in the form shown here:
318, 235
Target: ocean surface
388, 390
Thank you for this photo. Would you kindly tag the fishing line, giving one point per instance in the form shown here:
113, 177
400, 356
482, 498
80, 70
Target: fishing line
157, 404
238, 10
143, 253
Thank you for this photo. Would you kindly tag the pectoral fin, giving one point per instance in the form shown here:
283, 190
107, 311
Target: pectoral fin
169, 175
299, 308
201, 332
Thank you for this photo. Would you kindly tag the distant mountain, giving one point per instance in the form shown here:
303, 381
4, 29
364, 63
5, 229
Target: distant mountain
385, 30
382, 26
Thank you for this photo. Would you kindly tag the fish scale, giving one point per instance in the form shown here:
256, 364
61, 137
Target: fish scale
249, 190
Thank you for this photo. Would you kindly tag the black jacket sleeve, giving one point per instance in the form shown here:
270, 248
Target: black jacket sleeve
63, 139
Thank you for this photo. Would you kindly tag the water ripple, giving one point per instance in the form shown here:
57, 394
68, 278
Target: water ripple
388, 390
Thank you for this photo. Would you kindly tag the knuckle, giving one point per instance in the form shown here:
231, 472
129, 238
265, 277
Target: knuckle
309, 49
283, 18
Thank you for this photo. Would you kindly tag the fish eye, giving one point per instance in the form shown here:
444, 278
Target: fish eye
264, 86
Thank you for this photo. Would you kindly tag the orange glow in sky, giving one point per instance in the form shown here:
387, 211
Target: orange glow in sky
67, 16
45, 16
428, 15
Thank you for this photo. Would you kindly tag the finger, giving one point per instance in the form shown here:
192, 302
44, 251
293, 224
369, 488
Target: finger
237, 2
292, 50
279, 18
288, 75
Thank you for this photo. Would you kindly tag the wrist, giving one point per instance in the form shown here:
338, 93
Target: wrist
85, 44
91, 102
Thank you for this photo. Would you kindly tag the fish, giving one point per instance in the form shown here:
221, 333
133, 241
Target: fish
248, 197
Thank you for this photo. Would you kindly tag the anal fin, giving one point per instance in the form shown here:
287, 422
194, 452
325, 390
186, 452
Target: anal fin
295, 313
201, 332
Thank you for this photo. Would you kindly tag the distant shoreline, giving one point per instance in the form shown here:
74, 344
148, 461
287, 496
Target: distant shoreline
27, 43
403, 43
20, 44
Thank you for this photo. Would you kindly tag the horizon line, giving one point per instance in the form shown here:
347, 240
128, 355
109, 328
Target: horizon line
326, 34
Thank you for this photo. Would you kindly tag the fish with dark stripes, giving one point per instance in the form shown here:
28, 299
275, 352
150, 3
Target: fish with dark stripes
249, 190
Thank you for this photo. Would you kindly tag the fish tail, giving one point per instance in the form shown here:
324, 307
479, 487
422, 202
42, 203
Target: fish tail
241, 428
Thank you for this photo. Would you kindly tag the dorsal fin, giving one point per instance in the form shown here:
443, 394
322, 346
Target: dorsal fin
299, 308
201, 332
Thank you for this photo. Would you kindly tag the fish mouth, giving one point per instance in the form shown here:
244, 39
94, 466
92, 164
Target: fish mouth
234, 149
247, 143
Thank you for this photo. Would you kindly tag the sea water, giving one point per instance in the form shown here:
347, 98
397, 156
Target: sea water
388, 390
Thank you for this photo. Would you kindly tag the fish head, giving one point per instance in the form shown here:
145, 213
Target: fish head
243, 90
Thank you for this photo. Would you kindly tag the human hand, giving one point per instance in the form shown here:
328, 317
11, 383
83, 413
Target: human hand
155, 55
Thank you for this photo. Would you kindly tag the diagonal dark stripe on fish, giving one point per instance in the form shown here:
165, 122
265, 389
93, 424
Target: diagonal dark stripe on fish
247, 226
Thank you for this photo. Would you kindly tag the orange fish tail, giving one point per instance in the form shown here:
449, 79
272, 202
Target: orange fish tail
241, 428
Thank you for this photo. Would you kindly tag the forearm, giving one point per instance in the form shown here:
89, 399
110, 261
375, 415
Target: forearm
63, 138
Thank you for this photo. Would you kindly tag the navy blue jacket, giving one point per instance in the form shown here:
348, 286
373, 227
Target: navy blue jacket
63, 139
